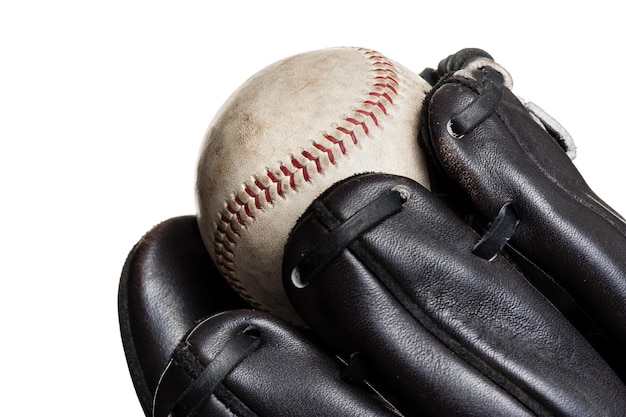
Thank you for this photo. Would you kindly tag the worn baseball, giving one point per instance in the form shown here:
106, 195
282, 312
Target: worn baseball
285, 136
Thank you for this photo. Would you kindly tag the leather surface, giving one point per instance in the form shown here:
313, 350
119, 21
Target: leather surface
564, 228
447, 332
286, 376
171, 292
168, 283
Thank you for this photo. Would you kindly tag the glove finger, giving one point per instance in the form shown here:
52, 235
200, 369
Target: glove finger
165, 288
565, 232
249, 363
237, 362
443, 330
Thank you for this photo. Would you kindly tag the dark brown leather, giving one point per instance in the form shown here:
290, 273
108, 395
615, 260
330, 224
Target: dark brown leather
564, 227
168, 283
448, 333
174, 324
287, 375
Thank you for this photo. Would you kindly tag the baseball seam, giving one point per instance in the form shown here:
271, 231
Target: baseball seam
262, 191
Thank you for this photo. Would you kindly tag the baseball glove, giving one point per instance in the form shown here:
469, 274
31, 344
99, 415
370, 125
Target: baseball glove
499, 291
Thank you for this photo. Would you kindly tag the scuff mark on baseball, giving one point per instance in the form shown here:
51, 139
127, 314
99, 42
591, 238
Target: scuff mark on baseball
285, 136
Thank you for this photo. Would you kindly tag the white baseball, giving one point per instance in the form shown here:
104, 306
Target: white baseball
285, 136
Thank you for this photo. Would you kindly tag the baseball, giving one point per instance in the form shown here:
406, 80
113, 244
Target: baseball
286, 135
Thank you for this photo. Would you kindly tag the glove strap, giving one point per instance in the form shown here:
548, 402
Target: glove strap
498, 233
481, 108
343, 234
235, 350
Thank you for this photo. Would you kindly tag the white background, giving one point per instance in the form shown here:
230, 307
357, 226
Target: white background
103, 106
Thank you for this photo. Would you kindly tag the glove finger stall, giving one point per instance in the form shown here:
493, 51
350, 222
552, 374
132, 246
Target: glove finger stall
168, 282
444, 332
195, 348
251, 364
564, 228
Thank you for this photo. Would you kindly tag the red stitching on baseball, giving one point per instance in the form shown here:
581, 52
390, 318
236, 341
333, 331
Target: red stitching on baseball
386, 85
291, 175
336, 141
348, 132
327, 151
232, 220
230, 225
226, 248
237, 213
279, 184
305, 171
380, 77
255, 198
318, 164
378, 104
369, 114
385, 70
384, 95
357, 123
221, 241
265, 190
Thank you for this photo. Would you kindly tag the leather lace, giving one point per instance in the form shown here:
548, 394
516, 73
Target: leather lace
204, 385
343, 234
463, 122
489, 96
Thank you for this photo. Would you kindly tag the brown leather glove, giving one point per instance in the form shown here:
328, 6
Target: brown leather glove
500, 291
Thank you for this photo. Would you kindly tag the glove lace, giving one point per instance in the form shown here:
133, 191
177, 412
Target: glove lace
206, 383
477, 111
